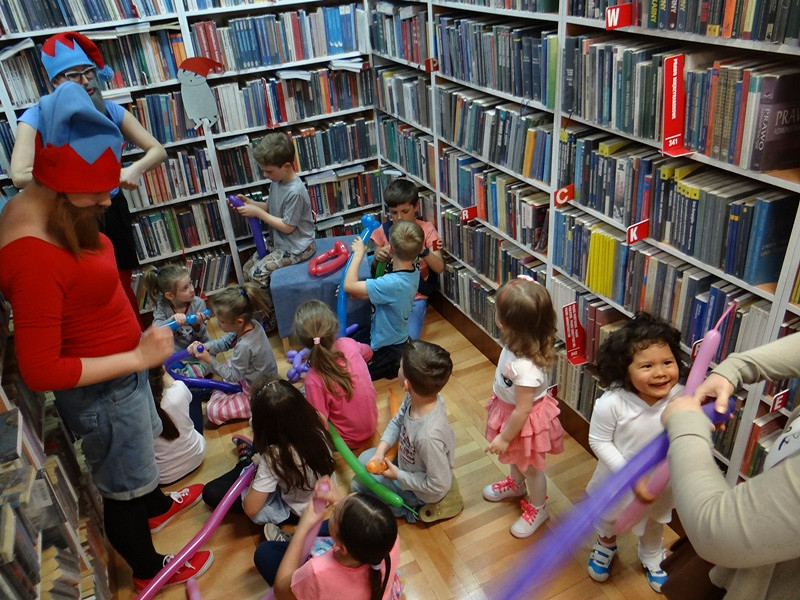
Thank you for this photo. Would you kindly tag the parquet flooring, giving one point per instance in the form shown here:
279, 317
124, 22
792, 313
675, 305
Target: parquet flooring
467, 557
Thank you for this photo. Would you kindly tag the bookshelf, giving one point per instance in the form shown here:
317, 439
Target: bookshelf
292, 66
449, 129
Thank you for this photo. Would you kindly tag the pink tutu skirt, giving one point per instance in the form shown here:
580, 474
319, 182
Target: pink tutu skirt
541, 433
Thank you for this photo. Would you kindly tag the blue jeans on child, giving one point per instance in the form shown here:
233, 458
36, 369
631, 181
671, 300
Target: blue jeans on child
417, 318
269, 554
409, 498
117, 421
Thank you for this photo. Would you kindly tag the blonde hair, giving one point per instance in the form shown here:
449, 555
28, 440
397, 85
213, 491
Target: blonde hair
525, 311
315, 320
241, 302
407, 239
164, 280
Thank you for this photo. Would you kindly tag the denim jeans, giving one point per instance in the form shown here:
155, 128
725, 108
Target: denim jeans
117, 421
409, 497
417, 318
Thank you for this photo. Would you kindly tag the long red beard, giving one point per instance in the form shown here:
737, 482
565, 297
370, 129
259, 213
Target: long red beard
76, 229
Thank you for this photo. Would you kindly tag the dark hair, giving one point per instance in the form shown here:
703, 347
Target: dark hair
274, 150
426, 366
169, 430
401, 191
315, 319
285, 423
525, 311
641, 332
241, 301
162, 280
368, 530
407, 239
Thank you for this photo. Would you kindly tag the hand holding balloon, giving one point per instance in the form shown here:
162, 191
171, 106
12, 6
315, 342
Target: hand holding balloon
370, 224
255, 226
188, 320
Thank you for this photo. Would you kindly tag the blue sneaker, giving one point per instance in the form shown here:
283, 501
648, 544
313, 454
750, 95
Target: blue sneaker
656, 577
600, 561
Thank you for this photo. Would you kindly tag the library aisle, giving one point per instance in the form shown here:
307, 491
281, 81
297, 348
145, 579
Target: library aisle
466, 557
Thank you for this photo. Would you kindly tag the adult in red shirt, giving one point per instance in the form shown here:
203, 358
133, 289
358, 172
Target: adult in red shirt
74, 330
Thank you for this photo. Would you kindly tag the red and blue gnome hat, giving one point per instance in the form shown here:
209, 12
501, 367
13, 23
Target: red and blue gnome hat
69, 49
78, 148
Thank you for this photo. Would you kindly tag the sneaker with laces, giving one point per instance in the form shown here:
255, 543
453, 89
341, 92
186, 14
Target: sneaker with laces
273, 533
194, 567
508, 488
188, 496
244, 447
530, 520
656, 577
600, 561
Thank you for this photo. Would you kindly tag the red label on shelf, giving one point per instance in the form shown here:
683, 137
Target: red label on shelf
696, 348
674, 104
573, 334
469, 213
619, 16
779, 400
431, 64
638, 231
563, 195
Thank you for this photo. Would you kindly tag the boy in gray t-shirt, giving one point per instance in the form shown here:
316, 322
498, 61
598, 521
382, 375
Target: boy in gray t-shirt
287, 212
422, 473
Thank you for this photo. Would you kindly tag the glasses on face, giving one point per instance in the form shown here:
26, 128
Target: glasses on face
75, 76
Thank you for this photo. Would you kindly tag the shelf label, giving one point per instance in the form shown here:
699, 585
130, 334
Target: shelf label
696, 348
619, 16
638, 231
563, 195
431, 64
674, 105
779, 400
470, 213
574, 334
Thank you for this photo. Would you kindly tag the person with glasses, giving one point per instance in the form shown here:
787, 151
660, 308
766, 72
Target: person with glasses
71, 56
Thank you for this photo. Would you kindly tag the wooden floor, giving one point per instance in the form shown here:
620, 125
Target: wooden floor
466, 557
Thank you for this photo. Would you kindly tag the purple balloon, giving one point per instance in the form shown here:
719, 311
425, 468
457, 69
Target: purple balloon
255, 227
214, 384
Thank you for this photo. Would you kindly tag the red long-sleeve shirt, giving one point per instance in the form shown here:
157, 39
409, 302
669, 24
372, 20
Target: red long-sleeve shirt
65, 309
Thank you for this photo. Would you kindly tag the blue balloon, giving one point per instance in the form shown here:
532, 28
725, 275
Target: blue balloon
370, 224
214, 384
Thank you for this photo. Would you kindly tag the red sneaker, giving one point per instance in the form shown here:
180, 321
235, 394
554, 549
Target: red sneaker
194, 567
188, 496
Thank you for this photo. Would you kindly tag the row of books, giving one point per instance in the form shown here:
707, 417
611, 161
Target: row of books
338, 226
17, 16
514, 59
774, 22
502, 201
340, 191
764, 432
164, 116
315, 148
289, 97
173, 229
790, 325
184, 174
724, 439
6, 146
503, 133
408, 147
734, 224
544, 6
272, 39
405, 93
577, 385
400, 31
490, 254
474, 297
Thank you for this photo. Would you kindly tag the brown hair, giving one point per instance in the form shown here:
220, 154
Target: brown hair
314, 319
426, 366
401, 191
525, 311
162, 280
274, 150
169, 431
241, 301
407, 239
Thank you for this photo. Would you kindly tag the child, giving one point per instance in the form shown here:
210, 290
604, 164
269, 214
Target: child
402, 200
252, 355
180, 448
338, 384
287, 211
522, 424
361, 565
392, 295
640, 362
423, 473
294, 451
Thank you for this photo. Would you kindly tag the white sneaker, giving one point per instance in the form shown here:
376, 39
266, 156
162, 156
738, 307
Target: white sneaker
273, 533
600, 561
530, 520
508, 488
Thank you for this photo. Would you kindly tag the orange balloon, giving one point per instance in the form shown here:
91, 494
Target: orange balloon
375, 466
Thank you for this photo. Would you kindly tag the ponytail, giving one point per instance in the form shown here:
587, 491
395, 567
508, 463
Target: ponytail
169, 431
241, 302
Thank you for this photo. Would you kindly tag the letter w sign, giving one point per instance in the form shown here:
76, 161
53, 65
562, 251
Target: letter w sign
619, 16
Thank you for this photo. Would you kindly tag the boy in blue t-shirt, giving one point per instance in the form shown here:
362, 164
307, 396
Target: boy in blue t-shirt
392, 295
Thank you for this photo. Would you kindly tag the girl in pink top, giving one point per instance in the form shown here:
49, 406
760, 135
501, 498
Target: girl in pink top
338, 384
363, 561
